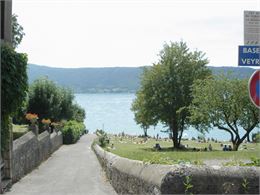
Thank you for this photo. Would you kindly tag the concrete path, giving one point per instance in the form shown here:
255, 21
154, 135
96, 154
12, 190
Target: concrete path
73, 169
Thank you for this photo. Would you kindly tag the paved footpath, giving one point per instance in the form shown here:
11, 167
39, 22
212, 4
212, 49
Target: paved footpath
72, 169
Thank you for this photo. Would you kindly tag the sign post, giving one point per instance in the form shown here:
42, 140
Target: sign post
249, 53
254, 88
251, 27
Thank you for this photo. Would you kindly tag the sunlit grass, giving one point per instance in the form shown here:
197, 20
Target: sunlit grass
19, 130
132, 148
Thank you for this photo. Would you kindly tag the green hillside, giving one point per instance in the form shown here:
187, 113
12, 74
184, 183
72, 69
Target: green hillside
99, 80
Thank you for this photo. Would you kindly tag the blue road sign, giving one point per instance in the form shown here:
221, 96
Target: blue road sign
249, 55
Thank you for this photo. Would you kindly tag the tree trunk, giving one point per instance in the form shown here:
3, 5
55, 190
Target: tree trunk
145, 132
248, 138
179, 139
235, 147
175, 140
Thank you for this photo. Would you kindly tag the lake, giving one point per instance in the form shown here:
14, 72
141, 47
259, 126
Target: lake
112, 113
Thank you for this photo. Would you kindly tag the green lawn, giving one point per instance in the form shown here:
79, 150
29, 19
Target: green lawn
19, 130
132, 149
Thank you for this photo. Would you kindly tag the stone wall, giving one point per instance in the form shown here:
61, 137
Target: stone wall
134, 177
29, 151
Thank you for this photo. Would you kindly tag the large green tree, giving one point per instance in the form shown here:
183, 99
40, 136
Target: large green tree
48, 100
224, 103
166, 88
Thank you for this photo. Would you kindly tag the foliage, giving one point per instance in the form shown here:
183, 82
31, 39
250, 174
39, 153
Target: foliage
17, 32
158, 159
78, 113
165, 93
14, 86
58, 125
245, 185
187, 184
256, 137
72, 131
143, 117
53, 102
254, 162
224, 103
44, 99
18, 117
103, 138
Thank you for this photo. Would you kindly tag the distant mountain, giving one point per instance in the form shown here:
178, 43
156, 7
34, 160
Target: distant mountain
100, 80
238, 72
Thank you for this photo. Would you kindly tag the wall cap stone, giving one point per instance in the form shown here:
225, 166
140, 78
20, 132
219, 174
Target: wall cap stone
170, 178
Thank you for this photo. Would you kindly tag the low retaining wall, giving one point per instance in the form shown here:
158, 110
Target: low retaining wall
134, 177
29, 151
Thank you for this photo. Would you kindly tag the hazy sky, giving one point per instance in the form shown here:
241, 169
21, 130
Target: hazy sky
88, 33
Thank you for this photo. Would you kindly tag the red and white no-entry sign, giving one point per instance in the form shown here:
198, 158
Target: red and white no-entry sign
254, 88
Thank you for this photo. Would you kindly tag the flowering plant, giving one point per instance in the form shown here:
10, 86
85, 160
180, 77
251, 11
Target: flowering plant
46, 121
31, 117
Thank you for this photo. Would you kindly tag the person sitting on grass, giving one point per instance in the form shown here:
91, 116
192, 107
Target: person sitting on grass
210, 147
157, 146
225, 148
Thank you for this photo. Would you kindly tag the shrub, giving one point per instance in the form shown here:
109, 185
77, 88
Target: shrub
256, 137
72, 131
193, 139
103, 139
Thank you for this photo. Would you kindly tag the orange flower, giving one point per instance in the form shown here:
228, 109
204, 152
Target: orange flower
30, 116
46, 121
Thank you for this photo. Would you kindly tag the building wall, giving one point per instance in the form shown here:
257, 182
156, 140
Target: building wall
6, 20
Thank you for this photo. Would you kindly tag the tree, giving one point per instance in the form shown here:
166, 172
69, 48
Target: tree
53, 102
224, 103
78, 113
142, 116
45, 99
165, 92
17, 31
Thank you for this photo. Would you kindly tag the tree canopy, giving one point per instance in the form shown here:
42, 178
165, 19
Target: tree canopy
224, 103
51, 101
165, 92
17, 32
143, 117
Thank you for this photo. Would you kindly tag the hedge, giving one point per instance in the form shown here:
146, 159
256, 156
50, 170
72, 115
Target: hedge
72, 131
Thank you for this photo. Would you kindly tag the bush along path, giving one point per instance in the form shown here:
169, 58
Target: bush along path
73, 169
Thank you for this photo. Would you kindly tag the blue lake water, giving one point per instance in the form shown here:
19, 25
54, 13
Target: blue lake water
112, 113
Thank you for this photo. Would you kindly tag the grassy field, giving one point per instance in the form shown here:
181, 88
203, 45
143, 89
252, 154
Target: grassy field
19, 130
137, 149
